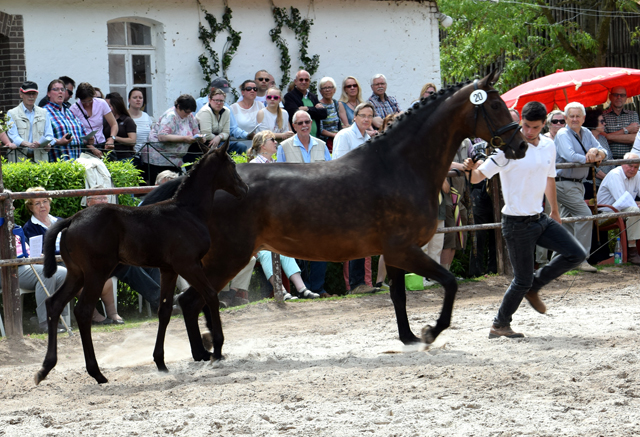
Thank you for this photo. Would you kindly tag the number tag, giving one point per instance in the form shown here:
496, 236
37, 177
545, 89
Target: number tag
478, 97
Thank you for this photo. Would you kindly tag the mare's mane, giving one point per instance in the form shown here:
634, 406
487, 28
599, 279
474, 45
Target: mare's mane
416, 116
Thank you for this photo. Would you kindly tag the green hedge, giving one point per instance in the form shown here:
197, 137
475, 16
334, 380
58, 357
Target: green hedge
63, 175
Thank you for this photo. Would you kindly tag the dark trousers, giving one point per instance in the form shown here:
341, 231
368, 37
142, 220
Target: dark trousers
144, 280
313, 273
485, 240
521, 235
356, 273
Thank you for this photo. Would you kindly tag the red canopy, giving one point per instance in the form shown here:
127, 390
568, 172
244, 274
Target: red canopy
589, 86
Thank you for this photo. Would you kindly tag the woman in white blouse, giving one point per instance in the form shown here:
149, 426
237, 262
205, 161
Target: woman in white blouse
142, 119
246, 110
274, 118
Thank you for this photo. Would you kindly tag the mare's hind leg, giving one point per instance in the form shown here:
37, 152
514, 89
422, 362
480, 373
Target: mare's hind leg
167, 286
55, 305
194, 274
191, 303
399, 299
84, 312
413, 259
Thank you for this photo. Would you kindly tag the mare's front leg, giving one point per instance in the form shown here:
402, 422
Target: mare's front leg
168, 280
55, 305
191, 302
399, 299
194, 274
84, 313
413, 259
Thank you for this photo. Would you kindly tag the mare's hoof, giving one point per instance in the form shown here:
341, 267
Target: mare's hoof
163, 368
410, 340
40, 376
427, 335
207, 340
214, 359
101, 379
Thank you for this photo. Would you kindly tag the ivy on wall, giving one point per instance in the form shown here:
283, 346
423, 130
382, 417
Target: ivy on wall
301, 29
211, 64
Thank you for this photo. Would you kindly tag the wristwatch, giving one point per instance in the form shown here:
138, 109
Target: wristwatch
625, 130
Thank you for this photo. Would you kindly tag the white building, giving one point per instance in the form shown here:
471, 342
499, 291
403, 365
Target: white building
114, 45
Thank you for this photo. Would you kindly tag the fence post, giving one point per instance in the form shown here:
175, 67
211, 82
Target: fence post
277, 278
504, 266
10, 287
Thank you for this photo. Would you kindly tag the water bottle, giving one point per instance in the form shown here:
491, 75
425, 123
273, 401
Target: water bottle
617, 254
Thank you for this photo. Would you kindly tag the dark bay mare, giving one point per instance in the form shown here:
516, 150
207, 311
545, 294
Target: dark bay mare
381, 198
171, 235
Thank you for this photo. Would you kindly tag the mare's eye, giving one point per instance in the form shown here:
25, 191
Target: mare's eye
495, 105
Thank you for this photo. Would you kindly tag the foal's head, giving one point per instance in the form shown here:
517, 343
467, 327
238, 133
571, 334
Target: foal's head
216, 170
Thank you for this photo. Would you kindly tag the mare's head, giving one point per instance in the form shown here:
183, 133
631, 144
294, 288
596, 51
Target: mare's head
487, 112
216, 170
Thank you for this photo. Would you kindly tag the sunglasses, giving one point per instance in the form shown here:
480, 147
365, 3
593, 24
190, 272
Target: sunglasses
263, 79
300, 123
326, 88
273, 97
70, 92
558, 122
618, 95
351, 86
251, 88
601, 121
303, 79
217, 101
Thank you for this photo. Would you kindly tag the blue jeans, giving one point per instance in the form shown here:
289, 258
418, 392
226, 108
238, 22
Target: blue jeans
313, 273
144, 280
356, 273
522, 234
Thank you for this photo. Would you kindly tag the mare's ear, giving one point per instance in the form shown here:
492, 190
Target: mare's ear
491, 78
225, 147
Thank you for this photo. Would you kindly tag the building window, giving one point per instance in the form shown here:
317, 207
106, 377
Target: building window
131, 59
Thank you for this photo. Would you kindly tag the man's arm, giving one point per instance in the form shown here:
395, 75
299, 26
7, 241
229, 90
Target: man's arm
475, 176
552, 198
14, 137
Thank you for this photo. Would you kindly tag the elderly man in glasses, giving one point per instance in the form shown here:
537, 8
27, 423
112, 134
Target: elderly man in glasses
383, 104
304, 148
301, 99
621, 124
31, 126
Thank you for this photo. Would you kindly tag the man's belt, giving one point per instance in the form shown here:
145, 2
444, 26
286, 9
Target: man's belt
558, 179
523, 218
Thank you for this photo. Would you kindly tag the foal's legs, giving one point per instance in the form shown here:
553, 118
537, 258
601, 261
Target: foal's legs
55, 304
191, 303
413, 259
84, 313
167, 286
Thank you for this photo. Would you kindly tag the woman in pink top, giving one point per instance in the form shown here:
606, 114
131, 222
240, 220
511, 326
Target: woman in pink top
90, 111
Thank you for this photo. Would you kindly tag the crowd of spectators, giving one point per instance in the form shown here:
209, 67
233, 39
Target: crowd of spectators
301, 127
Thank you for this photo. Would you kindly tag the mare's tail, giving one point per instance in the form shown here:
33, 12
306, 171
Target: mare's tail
49, 250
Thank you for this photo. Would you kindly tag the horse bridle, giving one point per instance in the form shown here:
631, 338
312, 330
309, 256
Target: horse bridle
496, 141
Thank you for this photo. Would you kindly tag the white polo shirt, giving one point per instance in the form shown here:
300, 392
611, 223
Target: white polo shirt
614, 184
523, 180
348, 139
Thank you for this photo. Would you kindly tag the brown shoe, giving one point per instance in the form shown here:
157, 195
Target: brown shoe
536, 303
504, 331
242, 298
632, 256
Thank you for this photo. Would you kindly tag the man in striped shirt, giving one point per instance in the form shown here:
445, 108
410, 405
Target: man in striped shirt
383, 104
67, 130
621, 125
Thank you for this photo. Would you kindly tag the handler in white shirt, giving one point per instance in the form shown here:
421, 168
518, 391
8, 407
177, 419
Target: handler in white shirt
348, 139
524, 224
619, 181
